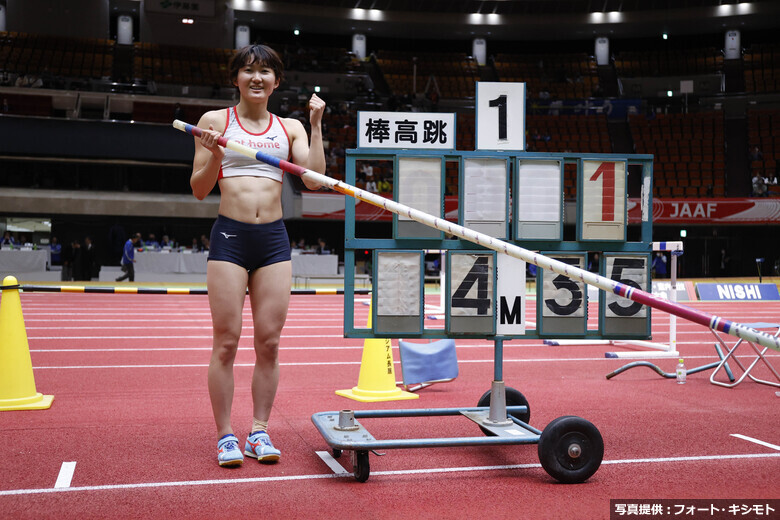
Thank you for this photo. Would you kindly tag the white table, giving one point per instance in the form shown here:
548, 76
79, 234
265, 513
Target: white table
176, 262
28, 261
305, 264
170, 262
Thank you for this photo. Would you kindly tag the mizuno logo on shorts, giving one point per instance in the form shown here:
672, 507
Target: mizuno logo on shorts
226, 235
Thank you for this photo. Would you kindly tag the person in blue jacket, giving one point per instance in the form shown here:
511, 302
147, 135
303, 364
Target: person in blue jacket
56, 251
128, 258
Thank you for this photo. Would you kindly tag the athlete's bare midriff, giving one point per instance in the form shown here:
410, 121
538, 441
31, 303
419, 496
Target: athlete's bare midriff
254, 200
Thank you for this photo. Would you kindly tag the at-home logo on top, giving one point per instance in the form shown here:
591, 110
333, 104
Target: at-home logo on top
737, 291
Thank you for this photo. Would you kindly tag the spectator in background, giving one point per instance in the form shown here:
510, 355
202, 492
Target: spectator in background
178, 112
322, 247
756, 155
759, 186
204, 243
6, 106
89, 269
77, 270
167, 243
195, 245
8, 240
384, 186
151, 242
659, 265
368, 173
593, 265
56, 251
128, 258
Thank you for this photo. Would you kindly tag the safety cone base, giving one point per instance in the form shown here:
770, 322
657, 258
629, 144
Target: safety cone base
36, 402
17, 382
376, 381
374, 396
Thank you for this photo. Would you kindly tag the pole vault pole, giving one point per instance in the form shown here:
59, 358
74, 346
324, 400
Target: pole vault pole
702, 318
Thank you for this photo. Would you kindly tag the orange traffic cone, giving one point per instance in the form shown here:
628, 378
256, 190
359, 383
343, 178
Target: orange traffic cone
376, 381
17, 383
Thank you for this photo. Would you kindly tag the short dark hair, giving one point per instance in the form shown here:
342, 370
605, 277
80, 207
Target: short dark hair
262, 54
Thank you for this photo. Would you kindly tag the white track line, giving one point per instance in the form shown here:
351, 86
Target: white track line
208, 336
332, 363
757, 441
66, 475
66, 349
197, 365
186, 327
332, 463
222, 482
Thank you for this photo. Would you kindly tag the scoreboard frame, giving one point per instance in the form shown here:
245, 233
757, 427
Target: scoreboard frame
401, 241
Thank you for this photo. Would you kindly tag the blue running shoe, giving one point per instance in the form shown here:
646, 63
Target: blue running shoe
259, 446
229, 454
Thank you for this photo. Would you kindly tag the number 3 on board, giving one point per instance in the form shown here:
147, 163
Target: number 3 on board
500, 116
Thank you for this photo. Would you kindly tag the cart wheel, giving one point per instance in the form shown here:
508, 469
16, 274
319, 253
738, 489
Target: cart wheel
513, 398
571, 449
336, 453
360, 466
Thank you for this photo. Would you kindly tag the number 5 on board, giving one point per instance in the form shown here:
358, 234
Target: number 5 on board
500, 116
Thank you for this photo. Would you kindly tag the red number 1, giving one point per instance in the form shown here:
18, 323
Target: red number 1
607, 190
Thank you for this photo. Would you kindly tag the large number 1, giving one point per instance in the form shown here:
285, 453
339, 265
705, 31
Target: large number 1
500, 103
607, 190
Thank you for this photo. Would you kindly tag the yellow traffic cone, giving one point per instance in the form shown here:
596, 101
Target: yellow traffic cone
17, 383
376, 381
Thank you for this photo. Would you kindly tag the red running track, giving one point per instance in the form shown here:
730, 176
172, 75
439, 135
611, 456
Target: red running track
131, 409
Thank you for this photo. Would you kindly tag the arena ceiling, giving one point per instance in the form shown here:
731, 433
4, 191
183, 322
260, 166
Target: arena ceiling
509, 19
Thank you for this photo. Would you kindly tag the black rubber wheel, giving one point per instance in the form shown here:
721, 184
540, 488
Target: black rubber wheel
513, 398
360, 466
336, 453
571, 449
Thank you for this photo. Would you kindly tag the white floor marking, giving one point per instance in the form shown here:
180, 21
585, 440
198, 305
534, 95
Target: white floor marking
66, 475
751, 439
333, 363
332, 463
222, 482
206, 336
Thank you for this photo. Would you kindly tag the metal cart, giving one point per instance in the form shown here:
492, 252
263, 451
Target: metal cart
570, 448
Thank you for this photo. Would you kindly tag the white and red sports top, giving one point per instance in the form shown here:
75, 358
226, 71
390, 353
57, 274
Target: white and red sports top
272, 141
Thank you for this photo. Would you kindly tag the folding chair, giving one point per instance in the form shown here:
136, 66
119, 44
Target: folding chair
424, 364
746, 371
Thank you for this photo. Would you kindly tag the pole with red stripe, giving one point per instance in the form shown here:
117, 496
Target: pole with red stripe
702, 318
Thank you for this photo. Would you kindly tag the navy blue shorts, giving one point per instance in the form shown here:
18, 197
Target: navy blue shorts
249, 245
